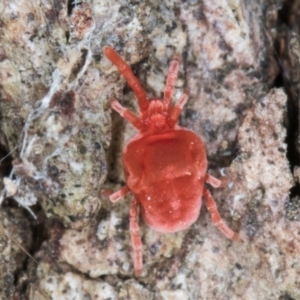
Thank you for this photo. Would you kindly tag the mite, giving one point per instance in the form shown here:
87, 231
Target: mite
165, 165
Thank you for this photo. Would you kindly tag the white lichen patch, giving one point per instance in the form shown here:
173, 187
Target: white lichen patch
76, 167
176, 295
69, 286
89, 257
10, 187
262, 145
161, 244
103, 229
135, 291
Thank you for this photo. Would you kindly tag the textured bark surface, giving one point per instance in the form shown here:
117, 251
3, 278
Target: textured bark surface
66, 147
15, 240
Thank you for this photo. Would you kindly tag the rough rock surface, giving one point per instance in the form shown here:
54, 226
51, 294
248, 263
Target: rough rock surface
55, 118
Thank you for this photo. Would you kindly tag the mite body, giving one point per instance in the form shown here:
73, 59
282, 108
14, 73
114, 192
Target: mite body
166, 174
165, 165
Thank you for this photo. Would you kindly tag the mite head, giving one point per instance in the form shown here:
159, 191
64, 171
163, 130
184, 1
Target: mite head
156, 115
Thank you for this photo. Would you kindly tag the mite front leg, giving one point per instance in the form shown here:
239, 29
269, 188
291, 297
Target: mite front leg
171, 79
135, 238
215, 216
126, 71
126, 114
177, 108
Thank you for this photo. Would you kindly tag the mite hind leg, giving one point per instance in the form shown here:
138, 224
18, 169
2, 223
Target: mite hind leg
215, 216
135, 238
215, 182
121, 193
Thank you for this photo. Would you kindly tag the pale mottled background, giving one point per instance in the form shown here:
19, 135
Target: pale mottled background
66, 146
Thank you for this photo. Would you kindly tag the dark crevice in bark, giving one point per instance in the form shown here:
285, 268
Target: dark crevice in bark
5, 162
115, 148
287, 22
72, 4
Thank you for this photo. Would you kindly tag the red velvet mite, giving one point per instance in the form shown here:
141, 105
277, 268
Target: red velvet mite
165, 165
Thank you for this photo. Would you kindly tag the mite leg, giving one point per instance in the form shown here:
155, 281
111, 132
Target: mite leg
171, 79
135, 238
126, 71
213, 181
215, 216
116, 196
177, 108
126, 114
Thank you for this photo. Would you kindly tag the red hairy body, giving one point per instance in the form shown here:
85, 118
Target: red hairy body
165, 165
166, 173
